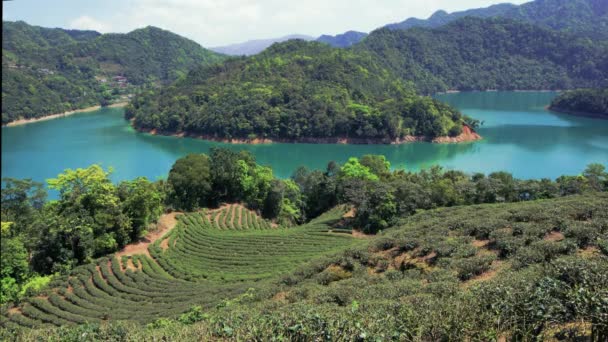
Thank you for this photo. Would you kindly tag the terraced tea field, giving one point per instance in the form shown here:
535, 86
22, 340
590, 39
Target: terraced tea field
208, 257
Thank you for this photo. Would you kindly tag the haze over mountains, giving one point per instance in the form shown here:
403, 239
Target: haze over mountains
252, 47
582, 17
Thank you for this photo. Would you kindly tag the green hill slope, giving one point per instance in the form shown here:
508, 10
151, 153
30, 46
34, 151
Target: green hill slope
47, 71
295, 91
528, 270
210, 256
480, 54
587, 18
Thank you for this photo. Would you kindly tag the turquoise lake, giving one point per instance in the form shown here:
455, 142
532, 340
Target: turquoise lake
520, 136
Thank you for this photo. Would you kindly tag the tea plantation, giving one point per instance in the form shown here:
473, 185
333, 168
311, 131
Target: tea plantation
523, 271
208, 257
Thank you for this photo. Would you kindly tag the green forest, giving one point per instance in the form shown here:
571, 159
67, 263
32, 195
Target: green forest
321, 253
582, 101
299, 90
50, 71
292, 91
485, 54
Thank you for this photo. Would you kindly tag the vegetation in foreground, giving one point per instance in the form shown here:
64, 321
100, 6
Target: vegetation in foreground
300, 271
583, 101
520, 271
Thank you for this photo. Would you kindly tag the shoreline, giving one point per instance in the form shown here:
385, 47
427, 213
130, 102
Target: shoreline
468, 135
456, 91
576, 113
21, 122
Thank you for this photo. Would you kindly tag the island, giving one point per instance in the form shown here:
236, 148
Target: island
298, 91
584, 102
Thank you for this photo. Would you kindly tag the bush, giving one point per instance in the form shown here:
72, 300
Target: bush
470, 267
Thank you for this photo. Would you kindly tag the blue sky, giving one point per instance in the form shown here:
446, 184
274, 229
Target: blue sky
221, 22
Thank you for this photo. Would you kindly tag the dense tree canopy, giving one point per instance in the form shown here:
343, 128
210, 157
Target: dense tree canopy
293, 91
480, 54
48, 71
583, 101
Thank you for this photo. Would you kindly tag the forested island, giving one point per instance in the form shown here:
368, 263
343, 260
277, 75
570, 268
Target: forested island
587, 102
51, 71
243, 249
299, 92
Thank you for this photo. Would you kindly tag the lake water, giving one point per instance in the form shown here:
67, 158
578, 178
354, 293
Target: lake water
520, 136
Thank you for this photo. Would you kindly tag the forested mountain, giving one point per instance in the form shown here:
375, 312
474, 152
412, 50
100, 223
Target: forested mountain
479, 54
256, 46
295, 91
582, 17
442, 17
343, 40
20, 37
583, 101
46, 71
586, 18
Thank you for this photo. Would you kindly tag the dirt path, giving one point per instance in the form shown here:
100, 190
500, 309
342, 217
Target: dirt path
165, 224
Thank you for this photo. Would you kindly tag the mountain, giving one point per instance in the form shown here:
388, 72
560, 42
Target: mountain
478, 54
47, 71
343, 40
442, 17
253, 47
295, 91
21, 37
582, 17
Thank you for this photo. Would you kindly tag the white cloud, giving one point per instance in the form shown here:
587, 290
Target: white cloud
221, 22
87, 23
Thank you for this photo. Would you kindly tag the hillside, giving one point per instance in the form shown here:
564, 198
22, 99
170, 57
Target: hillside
590, 102
529, 270
442, 17
47, 71
481, 54
587, 18
296, 91
253, 47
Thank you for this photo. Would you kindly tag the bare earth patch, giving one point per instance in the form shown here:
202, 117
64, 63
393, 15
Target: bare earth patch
360, 235
279, 297
480, 243
496, 267
554, 236
165, 224
14, 311
131, 266
350, 214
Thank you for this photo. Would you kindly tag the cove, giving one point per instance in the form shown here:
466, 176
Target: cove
520, 137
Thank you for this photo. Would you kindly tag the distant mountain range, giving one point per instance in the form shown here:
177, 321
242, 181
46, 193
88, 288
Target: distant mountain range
343, 40
587, 18
256, 46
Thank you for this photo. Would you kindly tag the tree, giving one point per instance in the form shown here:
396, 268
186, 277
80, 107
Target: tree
597, 177
377, 164
191, 181
142, 201
21, 199
14, 267
378, 210
354, 169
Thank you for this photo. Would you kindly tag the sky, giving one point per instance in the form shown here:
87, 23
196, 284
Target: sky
222, 22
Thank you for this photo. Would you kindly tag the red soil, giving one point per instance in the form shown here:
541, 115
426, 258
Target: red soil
164, 225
